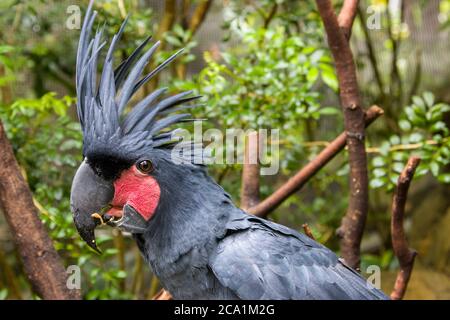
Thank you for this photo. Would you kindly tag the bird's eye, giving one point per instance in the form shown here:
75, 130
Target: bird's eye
145, 166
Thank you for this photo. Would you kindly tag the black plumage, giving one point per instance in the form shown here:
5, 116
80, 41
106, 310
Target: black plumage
108, 129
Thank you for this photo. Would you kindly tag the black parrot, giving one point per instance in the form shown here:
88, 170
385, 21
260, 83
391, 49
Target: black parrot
198, 243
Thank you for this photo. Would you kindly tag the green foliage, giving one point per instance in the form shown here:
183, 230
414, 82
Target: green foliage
444, 17
47, 144
179, 38
9, 63
250, 84
384, 261
3, 294
253, 88
425, 134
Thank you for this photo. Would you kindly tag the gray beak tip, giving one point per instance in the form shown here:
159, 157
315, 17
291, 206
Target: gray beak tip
88, 195
89, 237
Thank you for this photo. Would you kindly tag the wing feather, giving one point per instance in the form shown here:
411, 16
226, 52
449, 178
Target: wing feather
259, 259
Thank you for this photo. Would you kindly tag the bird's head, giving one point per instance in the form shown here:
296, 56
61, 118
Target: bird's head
126, 154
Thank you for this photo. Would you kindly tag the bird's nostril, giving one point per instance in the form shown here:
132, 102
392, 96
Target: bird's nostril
107, 217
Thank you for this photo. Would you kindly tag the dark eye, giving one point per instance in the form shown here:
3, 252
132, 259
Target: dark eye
145, 166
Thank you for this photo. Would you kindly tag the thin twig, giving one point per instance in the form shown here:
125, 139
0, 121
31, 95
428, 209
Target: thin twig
122, 10
396, 77
296, 182
136, 285
10, 277
197, 19
199, 15
165, 25
222, 174
154, 285
250, 172
417, 76
396, 147
404, 254
347, 17
120, 246
163, 295
270, 16
371, 53
307, 230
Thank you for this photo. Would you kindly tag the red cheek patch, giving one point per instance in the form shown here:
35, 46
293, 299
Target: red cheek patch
140, 191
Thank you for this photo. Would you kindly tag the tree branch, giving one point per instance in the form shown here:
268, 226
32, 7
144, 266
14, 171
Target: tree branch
371, 54
307, 231
353, 223
40, 259
199, 15
167, 20
194, 24
270, 16
250, 172
296, 182
120, 246
417, 76
163, 295
347, 17
165, 25
404, 254
10, 278
396, 88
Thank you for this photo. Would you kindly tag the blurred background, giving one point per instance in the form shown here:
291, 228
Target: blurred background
258, 64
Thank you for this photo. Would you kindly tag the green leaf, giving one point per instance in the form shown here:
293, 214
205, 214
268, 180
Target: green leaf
92, 295
3, 294
419, 103
121, 274
394, 139
415, 137
429, 99
111, 251
312, 75
379, 172
377, 183
415, 119
386, 258
329, 111
440, 108
444, 178
378, 161
5, 49
384, 148
405, 125
173, 40
438, 126
329, 76
434, 167
398, 167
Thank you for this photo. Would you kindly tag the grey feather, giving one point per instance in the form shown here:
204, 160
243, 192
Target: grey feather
294, 266
101, 107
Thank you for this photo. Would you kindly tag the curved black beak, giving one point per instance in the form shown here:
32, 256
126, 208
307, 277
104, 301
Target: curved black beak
89, 195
